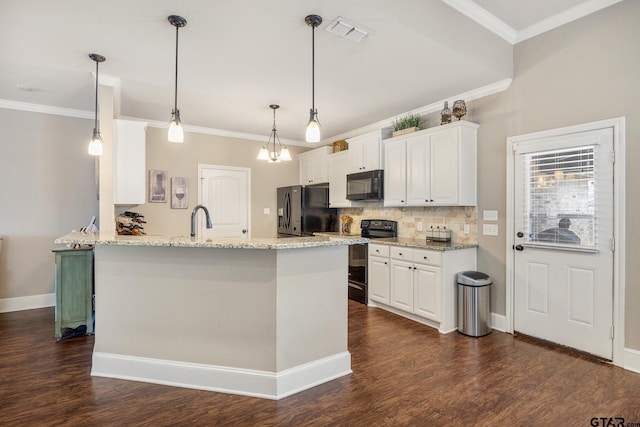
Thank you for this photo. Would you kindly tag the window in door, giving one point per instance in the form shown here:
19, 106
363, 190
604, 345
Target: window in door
560, 198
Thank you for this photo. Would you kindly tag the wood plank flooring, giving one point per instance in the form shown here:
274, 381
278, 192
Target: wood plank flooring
404, 374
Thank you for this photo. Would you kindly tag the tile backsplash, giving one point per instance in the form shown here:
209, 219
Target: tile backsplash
453, 218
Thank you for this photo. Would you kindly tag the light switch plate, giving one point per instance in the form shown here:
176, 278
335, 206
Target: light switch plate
491, 215
490, 229
266, 211
419, 226
466, 229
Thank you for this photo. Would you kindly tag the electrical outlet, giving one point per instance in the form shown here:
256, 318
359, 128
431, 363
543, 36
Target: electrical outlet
466, 229
420, 226
266, 211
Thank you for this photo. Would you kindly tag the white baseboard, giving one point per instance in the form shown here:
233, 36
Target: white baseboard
27, 303
498, 322
631, 360
246, 382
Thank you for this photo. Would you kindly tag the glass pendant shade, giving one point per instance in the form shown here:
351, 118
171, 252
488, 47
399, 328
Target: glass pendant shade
95, 145
313, 128
285, 156
263, 154
175, 132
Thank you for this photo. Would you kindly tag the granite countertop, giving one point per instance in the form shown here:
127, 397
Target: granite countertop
111, 239
423, 244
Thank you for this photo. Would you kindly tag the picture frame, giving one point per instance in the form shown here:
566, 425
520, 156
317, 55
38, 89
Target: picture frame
179, 193
157, 186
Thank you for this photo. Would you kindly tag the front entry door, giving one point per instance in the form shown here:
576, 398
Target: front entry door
225, 192
563, 252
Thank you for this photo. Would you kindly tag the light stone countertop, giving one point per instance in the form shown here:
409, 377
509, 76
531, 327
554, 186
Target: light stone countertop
111, 239
408, 243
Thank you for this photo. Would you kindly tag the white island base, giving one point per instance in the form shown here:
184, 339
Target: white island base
265, 323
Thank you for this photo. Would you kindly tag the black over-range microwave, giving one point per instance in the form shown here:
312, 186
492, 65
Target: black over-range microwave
365, 185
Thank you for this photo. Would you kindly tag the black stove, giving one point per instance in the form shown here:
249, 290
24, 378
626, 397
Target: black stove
358, 255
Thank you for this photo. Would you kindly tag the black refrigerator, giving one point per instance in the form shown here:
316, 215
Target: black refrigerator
303, 210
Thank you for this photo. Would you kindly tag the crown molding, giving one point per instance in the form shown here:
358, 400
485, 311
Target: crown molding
562, 18
480, 92
45, 109
480, 15
492, 23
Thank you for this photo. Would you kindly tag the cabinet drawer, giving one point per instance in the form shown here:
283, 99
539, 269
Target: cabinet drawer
378, 250
423, 256
402, 253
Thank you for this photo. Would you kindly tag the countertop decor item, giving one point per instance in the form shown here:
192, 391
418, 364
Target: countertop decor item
406, 124
445, 114
130, 224
95, 145
313, 127
277, 153
176, 133
459, 108
340, 145
346, 222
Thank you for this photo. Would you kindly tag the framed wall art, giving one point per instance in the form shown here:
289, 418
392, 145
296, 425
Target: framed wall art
179, 193
157, 186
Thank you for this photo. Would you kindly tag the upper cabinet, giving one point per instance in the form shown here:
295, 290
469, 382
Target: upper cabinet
338, 165
432, 167
313, 166
129, 162
365, 152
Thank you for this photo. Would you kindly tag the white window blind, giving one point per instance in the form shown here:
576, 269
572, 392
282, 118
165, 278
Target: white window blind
561, 198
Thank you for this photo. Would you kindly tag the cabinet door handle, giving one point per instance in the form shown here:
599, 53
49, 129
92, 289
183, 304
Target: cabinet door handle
425, 258
385, 263
401, 201
415, 268
400, 253
410, 267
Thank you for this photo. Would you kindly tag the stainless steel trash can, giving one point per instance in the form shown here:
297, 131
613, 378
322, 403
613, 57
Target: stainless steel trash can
474, 303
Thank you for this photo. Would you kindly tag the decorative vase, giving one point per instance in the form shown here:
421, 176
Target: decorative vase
459, 109
346, 227
445, 114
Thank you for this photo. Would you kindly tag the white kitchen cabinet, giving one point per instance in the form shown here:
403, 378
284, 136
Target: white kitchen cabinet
129, 162
378, 272
313, 166
338, 167
419, 284
365, 152
395, 173
439, 167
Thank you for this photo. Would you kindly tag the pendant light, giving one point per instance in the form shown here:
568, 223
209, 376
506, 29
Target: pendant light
278, 152
313, 127
95, 145
176, 133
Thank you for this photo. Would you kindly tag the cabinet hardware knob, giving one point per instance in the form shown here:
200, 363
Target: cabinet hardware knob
415, 268
425, 257
385, 263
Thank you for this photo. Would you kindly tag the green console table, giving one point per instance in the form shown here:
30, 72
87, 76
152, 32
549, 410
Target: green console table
74, 291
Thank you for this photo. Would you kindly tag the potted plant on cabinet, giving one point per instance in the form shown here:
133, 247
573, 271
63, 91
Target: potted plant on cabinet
406, 124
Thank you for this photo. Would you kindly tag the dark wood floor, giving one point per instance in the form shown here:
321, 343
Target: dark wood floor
404, 373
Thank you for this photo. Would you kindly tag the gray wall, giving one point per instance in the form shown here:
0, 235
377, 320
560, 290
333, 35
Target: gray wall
47, 188
181, 160
581, 72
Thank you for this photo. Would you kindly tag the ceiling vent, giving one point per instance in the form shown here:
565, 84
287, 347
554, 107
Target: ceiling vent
345, 29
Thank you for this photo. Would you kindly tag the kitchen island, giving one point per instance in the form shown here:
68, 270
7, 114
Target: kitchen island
257, 317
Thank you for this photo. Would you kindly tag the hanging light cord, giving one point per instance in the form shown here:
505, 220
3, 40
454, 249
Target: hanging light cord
175, 98
95, 125
313, 68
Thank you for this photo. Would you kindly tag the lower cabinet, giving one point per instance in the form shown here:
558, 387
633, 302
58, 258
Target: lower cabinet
418, 283
378, 272
74, 291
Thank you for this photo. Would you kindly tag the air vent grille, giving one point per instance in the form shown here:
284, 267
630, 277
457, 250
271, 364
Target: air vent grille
345, 29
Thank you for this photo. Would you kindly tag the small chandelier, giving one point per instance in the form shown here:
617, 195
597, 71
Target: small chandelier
95, 145
176, 133
277, 153
313, 127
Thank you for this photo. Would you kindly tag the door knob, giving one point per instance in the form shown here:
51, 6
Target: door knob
520, 234
519, 247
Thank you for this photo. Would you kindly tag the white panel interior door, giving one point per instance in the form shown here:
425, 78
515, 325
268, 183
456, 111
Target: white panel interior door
563, 263
225, 191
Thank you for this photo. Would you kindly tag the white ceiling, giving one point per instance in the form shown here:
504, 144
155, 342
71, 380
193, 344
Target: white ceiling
237, 57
